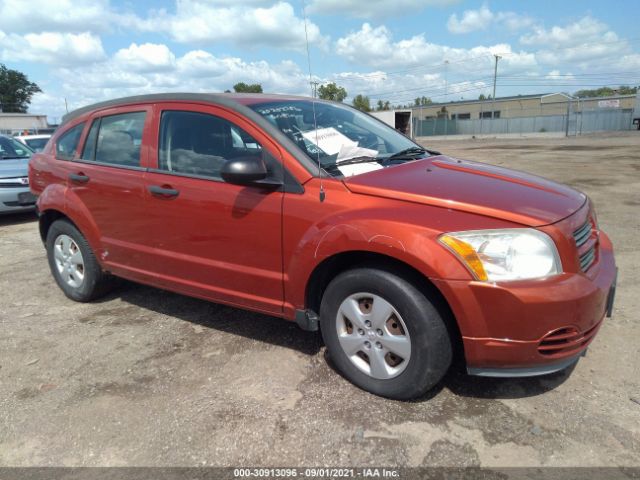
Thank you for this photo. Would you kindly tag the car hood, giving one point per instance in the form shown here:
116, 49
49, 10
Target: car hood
18, 167
472, 187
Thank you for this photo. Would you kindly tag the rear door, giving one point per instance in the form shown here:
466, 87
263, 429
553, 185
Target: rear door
106, 181
210, 238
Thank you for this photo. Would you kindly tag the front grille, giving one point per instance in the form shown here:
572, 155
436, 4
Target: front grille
587, 258
582, 234
12, 183
566, 341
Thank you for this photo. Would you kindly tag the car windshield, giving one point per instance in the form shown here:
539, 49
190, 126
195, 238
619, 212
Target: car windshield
346, 141
10, 149
36, 144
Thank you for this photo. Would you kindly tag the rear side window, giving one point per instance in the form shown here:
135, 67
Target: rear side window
199, 144
115, 139
67, 144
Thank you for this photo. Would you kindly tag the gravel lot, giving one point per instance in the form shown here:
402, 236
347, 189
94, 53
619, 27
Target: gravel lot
146, 377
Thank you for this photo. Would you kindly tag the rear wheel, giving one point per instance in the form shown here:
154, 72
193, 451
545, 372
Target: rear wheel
383, 334
73, 263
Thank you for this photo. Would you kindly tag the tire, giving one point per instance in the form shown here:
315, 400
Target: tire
83, 281
386, 367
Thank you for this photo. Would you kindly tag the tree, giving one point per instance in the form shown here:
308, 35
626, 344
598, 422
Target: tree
606, 92
421, 101
484, 97
362, 103
331, 91
242, 87
383, 105
15, 90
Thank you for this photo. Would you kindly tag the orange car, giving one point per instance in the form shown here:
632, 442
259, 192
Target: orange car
318, 213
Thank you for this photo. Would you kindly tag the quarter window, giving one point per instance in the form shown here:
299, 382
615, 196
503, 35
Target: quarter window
117, 140
89, 150
67, 144
199, 144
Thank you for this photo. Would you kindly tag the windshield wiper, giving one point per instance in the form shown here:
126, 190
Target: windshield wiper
409, 153
354, 160
10, 158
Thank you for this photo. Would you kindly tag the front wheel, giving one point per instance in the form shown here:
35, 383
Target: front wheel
383, 334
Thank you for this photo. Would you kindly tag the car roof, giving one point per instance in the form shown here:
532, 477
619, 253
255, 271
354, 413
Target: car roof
234, 101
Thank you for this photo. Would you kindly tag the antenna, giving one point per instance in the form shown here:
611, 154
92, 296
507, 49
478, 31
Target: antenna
313, 85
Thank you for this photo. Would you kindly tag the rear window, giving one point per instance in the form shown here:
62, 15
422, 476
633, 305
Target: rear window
37, 144
67, 144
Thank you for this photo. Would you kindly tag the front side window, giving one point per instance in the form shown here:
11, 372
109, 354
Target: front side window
67, 144
116, 139
342, 139
196, 143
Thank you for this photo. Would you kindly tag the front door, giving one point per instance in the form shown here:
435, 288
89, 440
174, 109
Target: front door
210, 238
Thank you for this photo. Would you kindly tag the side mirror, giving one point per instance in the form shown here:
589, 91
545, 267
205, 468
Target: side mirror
244, 170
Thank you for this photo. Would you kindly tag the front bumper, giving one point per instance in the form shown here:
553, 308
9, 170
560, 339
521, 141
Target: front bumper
535, 327
16, 199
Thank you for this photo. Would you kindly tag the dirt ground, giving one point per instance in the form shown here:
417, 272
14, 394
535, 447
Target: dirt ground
146, 377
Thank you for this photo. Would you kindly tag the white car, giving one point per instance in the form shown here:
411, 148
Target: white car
34, 142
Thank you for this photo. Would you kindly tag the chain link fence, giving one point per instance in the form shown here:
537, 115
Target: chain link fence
575, 117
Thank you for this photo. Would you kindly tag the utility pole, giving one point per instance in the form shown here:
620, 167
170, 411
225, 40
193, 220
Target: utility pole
314, 87
493, 97
446, 86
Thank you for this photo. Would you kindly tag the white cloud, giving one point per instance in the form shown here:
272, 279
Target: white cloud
153, 68
556, 75
375, 47
471, 20
513, 21
587, 44
69, 16
483, 18
148, 57
374, 8
585, 30
63, 49
243, 22
200, 22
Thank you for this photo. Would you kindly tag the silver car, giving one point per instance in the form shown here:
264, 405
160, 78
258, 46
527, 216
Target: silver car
14, 180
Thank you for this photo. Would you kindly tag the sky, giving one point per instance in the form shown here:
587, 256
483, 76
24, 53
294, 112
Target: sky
84, 51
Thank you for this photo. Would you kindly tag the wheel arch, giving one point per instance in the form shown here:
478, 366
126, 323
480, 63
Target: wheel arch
47, 218
332, 266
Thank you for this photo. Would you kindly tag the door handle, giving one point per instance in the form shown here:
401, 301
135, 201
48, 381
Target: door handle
163, 192
78, 178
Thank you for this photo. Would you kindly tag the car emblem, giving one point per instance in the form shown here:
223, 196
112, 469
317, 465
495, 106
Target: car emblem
24, 181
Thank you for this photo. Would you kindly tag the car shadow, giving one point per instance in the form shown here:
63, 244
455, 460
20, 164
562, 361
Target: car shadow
282, 333
17, 218
464, 385
459, 383
250, 325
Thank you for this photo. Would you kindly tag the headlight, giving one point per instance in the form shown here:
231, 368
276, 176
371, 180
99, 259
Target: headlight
509, 254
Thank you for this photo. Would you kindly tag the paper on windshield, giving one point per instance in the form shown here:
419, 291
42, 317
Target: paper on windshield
329, 139
332, 142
